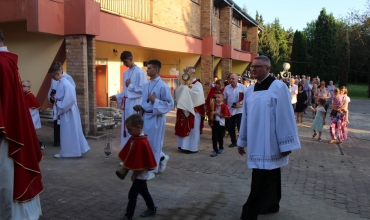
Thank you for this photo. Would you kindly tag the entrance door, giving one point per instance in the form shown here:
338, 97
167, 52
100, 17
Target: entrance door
101, 86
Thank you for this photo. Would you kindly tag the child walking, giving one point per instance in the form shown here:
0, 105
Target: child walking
217, 116
318, 122
137, 155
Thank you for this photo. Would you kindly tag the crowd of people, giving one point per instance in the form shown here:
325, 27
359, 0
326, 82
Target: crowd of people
321, 98
313, 93
255, 109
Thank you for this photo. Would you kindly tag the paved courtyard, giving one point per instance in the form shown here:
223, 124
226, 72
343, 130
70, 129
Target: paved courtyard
322, 181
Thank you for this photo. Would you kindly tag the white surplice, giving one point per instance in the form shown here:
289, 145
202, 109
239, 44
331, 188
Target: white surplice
154, 114
35, 117
72, 140
268, 126
9, 209
187, 99
54, 84
130, 97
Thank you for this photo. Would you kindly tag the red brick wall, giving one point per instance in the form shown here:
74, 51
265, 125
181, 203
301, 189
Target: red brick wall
225, 25
236, 36
216, 27
91, 56
181, 15
207, 72
76, 58
226, 64
206, 10
252, 36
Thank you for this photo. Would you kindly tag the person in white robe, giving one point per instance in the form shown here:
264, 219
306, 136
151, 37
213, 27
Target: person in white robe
72, 140
190, 100
157, 102
269, 133
133, 80
53, 88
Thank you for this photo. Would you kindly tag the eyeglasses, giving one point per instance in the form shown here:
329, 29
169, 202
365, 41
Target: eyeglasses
52, 76
257, 66
25, 86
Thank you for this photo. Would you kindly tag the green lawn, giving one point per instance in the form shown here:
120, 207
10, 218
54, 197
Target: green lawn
357, 91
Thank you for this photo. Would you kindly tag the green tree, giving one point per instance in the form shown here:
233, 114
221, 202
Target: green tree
343, 60
359, 38
259, 18
281, 40
324, 56
309, 31
267, 44
273, 42
289, 34
299, 53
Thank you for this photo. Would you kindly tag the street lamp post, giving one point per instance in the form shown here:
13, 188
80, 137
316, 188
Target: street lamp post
286, 74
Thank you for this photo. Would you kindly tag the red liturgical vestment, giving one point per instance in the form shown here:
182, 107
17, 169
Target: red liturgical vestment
17, 126
137, 154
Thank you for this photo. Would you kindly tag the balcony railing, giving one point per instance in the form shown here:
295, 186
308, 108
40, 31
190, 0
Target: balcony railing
134, 9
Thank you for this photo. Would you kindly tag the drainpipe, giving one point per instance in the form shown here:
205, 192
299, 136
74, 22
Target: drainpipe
87, 86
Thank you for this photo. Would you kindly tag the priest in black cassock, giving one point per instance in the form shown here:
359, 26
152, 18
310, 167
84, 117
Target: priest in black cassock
268, 134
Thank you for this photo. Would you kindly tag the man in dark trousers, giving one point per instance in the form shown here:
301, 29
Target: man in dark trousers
269, 132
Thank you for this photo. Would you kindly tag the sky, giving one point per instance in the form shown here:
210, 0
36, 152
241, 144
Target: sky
297, 13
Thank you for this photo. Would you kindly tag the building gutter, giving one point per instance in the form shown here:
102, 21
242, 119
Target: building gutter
243, 14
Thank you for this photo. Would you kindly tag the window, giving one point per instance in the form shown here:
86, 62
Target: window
216, 8
236, 20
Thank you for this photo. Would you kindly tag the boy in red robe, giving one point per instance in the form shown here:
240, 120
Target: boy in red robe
218, 111
137, 155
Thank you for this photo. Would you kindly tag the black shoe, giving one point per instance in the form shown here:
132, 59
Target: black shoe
190, 152
271, 210
232, 145
149, 212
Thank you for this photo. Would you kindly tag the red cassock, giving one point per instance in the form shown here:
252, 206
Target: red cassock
185, 124
224, 110
16, 123
31, 100
137, 154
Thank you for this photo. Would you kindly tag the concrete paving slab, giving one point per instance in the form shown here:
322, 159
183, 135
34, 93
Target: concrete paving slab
319, 182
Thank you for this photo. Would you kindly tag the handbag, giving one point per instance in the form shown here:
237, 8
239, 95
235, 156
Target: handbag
333, 113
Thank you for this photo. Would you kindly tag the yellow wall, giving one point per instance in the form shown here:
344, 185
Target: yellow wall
168, 59
35, 51
239, 66
104, 50
217, 67
179, 61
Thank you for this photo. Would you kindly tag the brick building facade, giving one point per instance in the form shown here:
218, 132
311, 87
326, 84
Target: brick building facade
89, 35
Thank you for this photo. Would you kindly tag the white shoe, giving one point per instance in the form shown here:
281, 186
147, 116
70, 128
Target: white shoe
57, 156
43, 147
163, 164
151, 175
121, 163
